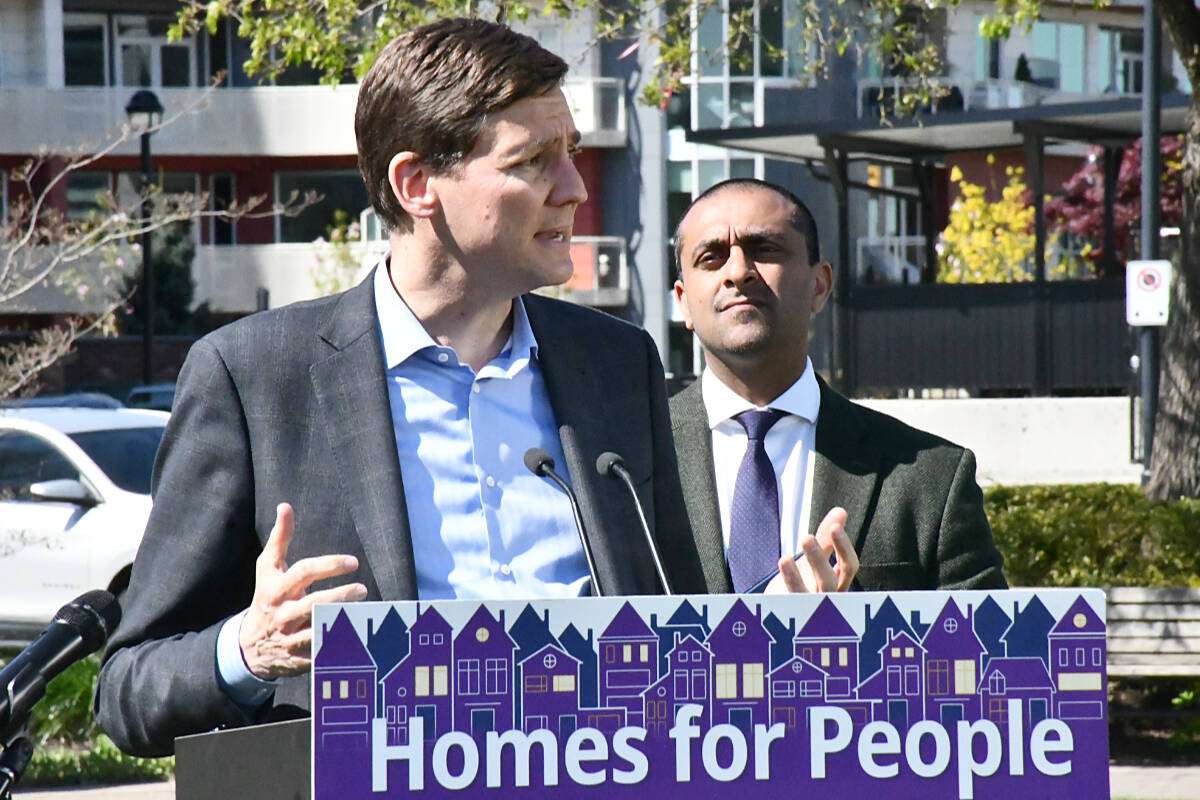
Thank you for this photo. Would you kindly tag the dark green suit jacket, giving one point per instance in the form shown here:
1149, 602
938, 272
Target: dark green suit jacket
915, 511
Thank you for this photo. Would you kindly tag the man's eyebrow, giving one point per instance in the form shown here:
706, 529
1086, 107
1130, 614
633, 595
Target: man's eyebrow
705, 244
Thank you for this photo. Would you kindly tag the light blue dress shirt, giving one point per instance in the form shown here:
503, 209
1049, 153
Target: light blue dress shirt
481, 524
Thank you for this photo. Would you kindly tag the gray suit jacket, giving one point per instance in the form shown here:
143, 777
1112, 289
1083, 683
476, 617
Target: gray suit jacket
915, 511
292, 405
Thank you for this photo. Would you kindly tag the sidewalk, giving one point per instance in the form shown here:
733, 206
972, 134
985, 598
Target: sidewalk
1134, 783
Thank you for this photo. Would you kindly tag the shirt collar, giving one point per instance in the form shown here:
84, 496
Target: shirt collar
403, 335
801, 399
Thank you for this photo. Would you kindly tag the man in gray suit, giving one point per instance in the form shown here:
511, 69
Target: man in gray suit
769, 453
369, 445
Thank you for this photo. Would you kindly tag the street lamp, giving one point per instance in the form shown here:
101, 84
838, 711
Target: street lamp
145, 113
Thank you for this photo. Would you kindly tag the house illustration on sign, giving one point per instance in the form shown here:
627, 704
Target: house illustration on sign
968, 663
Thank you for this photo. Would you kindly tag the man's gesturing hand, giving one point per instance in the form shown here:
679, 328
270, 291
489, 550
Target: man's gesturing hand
276, 633
814, 573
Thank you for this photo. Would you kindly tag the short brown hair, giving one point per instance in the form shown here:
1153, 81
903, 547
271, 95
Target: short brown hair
430, 90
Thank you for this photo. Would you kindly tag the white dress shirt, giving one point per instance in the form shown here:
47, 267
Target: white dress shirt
789, 444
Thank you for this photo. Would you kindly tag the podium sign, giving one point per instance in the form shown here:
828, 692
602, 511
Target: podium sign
911, 694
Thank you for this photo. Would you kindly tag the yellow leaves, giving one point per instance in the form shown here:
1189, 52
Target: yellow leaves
987, 242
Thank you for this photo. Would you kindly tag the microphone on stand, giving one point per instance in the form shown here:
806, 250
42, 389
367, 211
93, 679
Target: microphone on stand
78, 629
610, 464
540, 463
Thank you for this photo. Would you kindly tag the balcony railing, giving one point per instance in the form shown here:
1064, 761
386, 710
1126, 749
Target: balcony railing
257, 121
964, 95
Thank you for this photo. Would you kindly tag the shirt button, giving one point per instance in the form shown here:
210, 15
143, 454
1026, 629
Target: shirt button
505, 569
443, 357
475, 388
490, 482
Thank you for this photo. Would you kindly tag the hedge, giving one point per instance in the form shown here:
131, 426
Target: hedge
1094, 535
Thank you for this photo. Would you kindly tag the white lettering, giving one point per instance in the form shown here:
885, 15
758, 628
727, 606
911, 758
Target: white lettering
968, 767
737, 764
577, 754
1016, 737
639, 766
683, 732
1063, 742
869, 747
763, 736
521, 744
413, 753
941, 748
822, 744
441, 757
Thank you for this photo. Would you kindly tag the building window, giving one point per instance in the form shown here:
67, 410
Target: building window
421, 681
843, 656
893, 681
1058, 56
441, 681
423, 638
810, 688
627, 653
326, 690
1064, 658
343, 690
497, 676
912, 679
938, 676
681, 684
1079, 659
783, 689
726, 677
895, 652
1121, 61
340, 189
998, 711
536, 684
85, 44
146, 57
739, 628
987, 67
1095, 656
752, 679
438, 638
964, 676
84, 191
610, 653
468, 676
996, 683
361, 688
644, 653
824, 656
549, 661
908, 652
564, 683
950, 625
699, 684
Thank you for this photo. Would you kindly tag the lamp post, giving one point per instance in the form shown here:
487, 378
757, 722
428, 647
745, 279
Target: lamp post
145, 113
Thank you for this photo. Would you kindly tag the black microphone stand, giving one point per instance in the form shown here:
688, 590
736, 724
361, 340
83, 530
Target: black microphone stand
13, 763
612, 465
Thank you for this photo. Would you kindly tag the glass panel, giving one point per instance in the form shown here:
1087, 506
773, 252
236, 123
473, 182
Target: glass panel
741, 54
711, 172
218, 53
1045, 40
83, 55
679, 109
770, 26
176, 65
741, 167
1104, 62
981, 51
710, 41
797, 47
342, 189
712, 105
135, 65
1071, 57
221, 195
741, 104
679, 176
82, 188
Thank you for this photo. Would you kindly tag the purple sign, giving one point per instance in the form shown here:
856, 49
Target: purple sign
912, 694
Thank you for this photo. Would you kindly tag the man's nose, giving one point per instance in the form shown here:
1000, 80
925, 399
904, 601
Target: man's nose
739, 268
569, 188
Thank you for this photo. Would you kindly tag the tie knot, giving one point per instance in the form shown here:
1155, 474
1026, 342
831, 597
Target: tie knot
757, 423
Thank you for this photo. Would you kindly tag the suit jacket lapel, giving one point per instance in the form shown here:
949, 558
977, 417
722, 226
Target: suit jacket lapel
578, 378
693, 443
846, 471
350, 384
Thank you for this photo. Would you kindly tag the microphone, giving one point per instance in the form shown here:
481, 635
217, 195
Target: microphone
78, 629
540, 463
610, 464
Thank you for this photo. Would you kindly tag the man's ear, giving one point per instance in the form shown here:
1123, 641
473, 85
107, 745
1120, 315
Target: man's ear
822, 285
681, 299
410, 183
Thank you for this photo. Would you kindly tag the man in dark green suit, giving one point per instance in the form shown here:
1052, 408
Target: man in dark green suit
892, 507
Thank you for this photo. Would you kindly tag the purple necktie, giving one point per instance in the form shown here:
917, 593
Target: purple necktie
754, 514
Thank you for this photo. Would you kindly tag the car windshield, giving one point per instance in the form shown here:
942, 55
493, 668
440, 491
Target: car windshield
125, 454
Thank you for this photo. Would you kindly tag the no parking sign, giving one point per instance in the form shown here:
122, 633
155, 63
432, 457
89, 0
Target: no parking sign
1147, 292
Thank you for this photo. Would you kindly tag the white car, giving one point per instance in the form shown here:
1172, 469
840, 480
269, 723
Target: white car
74, 499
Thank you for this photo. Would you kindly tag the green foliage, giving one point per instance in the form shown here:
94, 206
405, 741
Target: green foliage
70, 749
1094, 535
